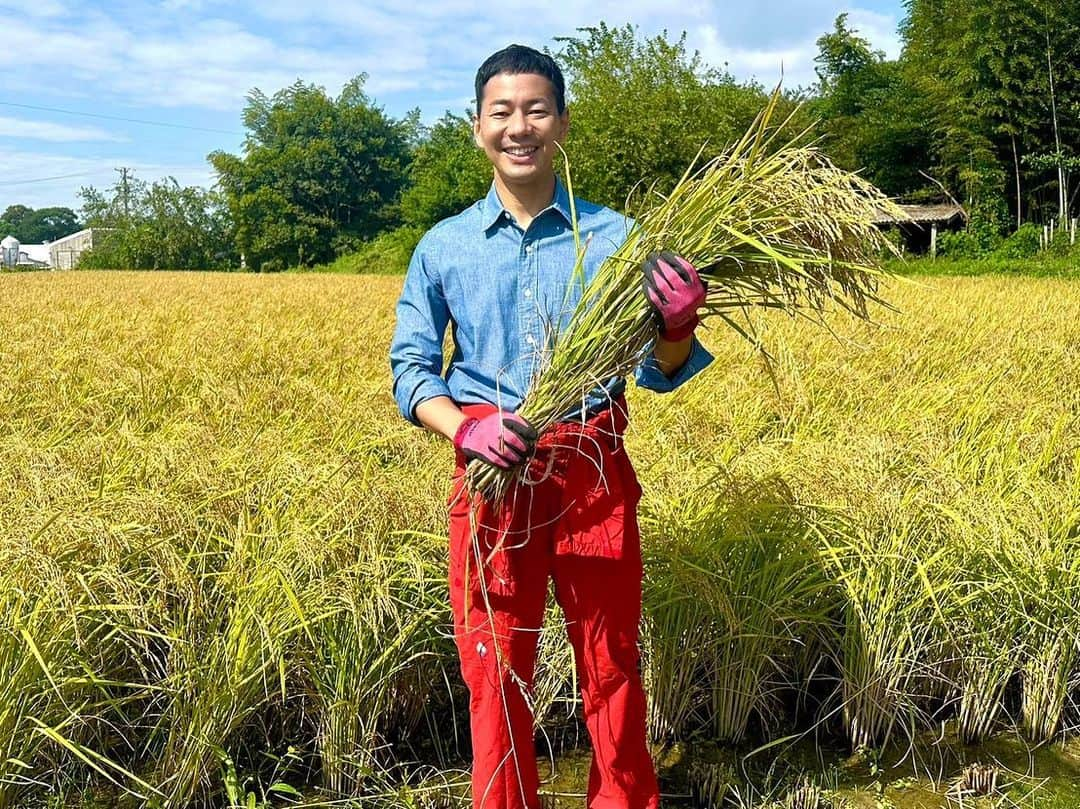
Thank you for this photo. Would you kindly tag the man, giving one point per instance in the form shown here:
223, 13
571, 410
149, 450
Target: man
500, 274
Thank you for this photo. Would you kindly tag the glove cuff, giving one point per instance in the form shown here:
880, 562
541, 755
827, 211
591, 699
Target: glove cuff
681, 332
464, 430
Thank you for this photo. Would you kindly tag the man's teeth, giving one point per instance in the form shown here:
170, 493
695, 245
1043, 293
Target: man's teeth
521, 151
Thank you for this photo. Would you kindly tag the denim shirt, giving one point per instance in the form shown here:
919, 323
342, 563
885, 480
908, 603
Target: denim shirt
505, 292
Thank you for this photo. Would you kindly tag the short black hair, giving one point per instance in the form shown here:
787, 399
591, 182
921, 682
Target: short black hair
518, 59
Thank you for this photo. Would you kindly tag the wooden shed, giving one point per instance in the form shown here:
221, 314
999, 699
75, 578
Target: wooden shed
921, 225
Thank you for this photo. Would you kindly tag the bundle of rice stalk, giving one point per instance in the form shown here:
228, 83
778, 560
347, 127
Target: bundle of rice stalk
769, 224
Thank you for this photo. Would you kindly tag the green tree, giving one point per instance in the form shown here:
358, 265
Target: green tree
31, 226
158, 226
317, 175
873, 118
847, 69
987, 68
12, 221
448, 173
49, 224
641, 109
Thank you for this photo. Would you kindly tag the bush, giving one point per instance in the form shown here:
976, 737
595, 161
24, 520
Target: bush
1024, 243
386, 254
963, 244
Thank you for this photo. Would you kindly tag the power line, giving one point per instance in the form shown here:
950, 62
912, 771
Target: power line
119, 118
151, 169
47, 179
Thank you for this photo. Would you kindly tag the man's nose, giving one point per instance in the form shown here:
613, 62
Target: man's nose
519, 123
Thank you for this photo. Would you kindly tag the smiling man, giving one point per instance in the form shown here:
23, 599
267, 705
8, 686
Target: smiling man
501, 275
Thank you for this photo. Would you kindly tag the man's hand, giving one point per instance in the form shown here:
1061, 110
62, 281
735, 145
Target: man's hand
676, 292
500, 439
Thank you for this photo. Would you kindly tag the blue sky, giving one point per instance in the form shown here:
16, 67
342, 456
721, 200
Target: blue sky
190, 63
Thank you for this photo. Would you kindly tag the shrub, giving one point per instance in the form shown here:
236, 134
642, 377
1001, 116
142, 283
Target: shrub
1024, 243
386, 254
962, 244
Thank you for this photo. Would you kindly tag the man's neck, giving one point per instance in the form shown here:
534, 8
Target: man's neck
526, 201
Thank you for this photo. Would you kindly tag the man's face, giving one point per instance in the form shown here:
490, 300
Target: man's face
518, 126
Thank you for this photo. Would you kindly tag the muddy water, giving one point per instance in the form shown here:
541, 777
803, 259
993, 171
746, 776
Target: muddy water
929, 774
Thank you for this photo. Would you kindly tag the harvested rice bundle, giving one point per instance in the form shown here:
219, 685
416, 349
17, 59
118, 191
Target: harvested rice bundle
766, 226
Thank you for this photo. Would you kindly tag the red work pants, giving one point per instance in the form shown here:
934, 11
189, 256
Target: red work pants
573, 518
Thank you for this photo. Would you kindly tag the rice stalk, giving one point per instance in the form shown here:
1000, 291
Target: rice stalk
555, 678
892, 576
734, 590
1049, 581
375, 653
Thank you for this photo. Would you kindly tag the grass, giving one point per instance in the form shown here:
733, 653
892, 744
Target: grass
1049, 266
219, 541
386, 254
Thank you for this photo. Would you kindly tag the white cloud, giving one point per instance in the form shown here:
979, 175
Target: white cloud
793, 58
56, 133
205, 54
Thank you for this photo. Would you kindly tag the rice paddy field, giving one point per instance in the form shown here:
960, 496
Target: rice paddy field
222, 569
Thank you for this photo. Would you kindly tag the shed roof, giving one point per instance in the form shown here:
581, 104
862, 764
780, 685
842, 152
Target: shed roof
940, 213
69, 237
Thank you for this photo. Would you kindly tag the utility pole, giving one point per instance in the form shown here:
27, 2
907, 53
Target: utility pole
125, 192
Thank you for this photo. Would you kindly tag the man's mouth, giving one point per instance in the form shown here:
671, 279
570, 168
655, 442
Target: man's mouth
520, 151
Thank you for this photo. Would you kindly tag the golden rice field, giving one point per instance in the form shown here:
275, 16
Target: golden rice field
221, 549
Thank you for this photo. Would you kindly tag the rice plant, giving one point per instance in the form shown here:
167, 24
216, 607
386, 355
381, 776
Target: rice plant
376, 653
184, 455
735, 588
1049, 578
891, 576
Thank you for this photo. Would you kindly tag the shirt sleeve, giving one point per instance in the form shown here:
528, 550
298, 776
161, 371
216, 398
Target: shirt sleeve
649, 376
416, 351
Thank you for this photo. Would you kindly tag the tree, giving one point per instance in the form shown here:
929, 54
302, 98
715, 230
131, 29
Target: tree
158, 226
31, 226
988, 67
873, 118
13, 218
448, 173
50, 224
846, 68
317, 175
640, 110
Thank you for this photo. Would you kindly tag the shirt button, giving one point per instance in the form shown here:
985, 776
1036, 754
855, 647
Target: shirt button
529, 339
528, 293
529, 249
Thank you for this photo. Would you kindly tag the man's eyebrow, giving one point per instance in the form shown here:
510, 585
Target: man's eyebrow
538, 100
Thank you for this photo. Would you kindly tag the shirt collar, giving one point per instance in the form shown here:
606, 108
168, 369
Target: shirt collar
492, 209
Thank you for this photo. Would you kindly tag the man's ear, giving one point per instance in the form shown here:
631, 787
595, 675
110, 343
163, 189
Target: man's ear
565, 123
476, 132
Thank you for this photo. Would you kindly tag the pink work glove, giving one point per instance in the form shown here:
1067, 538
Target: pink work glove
500, 439
675, 291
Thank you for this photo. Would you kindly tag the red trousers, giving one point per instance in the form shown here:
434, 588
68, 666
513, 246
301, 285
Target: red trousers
574, 518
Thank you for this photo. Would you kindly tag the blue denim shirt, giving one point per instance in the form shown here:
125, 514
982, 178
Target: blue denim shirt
505, 292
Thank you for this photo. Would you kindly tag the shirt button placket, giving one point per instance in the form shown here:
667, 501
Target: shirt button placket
530, 318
